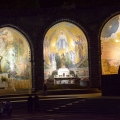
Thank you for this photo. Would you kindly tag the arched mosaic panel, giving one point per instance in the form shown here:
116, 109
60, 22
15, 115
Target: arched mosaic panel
110, 46
65, 54
15, 59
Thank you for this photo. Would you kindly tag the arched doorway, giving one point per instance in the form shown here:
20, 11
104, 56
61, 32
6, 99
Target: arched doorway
110, 46
65, 55
15, 60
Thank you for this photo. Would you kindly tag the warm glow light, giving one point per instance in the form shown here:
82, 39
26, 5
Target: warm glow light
11, 66
116, 40
53, 44
72, 44
110, 26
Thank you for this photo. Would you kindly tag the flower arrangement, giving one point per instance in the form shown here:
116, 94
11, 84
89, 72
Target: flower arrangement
4, 79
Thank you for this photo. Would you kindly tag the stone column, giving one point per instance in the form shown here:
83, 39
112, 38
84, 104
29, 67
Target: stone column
0, 64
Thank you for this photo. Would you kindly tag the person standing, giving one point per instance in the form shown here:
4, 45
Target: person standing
2, 108
44, 89
8, 107
36, 103
30, 104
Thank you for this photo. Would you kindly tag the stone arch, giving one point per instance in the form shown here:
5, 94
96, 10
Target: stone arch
17, 59
110, 45
65, 47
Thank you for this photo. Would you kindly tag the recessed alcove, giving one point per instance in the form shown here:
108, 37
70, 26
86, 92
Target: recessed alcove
65, 55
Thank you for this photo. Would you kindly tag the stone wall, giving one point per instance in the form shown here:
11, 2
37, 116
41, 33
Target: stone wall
35, 23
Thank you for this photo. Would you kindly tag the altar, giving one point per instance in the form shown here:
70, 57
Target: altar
64, 77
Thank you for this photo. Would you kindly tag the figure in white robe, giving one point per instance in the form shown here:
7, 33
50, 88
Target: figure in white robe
53, 61
62, 42
72, 57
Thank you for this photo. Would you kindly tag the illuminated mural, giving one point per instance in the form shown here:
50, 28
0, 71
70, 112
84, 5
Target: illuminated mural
65, 54
15, 59
110, 46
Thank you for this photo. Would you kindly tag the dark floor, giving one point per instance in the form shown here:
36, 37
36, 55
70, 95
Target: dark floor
22, 114
46, 116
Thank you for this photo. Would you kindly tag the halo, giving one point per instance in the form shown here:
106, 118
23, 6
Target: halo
61, 29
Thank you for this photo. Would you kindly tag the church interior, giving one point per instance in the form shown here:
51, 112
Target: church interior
60, 43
